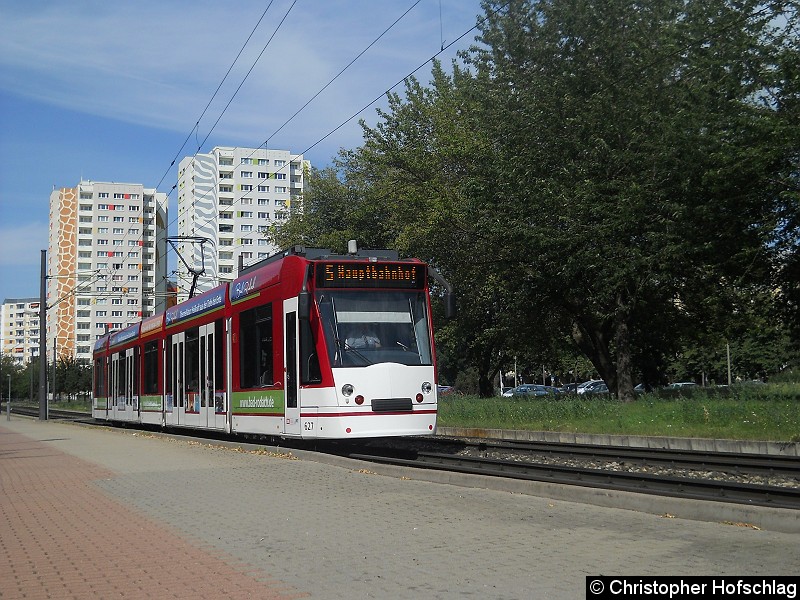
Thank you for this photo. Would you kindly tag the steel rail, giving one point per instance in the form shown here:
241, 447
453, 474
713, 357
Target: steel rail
735, 463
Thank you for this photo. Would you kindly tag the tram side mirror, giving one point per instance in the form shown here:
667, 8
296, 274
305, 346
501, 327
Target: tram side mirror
449, 305
304, 306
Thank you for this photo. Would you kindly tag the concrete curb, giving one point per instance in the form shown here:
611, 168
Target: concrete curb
632, 441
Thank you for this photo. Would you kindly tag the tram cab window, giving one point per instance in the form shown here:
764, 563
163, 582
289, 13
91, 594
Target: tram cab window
256, 348
370, 327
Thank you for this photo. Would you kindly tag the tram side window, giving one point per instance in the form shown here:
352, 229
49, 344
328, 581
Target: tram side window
151, 368
193, 359
219, 334
168, 365
309, 360
256, 347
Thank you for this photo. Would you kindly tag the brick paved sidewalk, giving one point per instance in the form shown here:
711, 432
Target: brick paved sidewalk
61, 537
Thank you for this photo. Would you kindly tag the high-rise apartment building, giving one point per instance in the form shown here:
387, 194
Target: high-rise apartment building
230, 197
107, 261
19, 329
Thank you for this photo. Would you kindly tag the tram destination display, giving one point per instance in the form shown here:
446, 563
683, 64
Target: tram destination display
372, 275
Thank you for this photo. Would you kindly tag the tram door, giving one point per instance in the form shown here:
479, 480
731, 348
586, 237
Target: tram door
124, 385
292, 423
193, 414
177, 379
132, 371
102, 388
212, 395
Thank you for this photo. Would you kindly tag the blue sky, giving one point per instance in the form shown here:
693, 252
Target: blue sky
109, 91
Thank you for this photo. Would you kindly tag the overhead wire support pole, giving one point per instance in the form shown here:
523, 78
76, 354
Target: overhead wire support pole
43, 339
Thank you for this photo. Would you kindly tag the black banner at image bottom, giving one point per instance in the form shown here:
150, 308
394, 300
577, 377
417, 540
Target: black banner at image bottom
603, 587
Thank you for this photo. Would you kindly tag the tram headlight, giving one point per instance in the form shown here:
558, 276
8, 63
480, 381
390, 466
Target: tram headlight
347, 390
427, 387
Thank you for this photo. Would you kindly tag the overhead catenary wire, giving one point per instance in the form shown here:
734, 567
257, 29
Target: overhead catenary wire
324, 87
292, 158
214, 95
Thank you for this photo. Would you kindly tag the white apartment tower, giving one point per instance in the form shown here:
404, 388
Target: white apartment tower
107, 261
19, 329
230, 197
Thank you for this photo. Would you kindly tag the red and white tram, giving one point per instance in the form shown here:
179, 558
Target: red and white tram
304, 344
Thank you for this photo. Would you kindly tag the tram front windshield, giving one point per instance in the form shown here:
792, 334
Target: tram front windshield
366, 328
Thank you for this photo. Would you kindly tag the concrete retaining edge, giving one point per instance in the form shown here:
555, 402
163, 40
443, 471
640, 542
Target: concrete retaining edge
632, 441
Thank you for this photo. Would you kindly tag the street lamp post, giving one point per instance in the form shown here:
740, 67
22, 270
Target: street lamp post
8, 404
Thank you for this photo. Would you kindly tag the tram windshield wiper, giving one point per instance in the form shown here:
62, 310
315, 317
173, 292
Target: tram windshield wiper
349, 348
407, 348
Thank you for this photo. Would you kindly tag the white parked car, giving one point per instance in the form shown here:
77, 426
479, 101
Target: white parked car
592, 386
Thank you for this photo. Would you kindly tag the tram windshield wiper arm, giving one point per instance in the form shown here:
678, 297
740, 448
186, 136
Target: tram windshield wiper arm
349, 348
407, 348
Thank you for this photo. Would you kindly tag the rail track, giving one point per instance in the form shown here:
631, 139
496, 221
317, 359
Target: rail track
758, 480
735, 464
683, 487
52, 413
749, 479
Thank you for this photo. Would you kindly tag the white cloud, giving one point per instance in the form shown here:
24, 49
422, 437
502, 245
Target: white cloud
157, 63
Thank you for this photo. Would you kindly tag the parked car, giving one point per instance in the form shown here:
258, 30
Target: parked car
531, 389
679, 385
587, 387
599, 388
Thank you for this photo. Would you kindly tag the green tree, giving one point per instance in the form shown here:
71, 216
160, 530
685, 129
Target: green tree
73, 376
643, 155
29, 387
758, 340
8, 368
23, 378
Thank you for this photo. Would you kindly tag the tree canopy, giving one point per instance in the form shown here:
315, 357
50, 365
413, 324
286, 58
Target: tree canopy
615, 177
